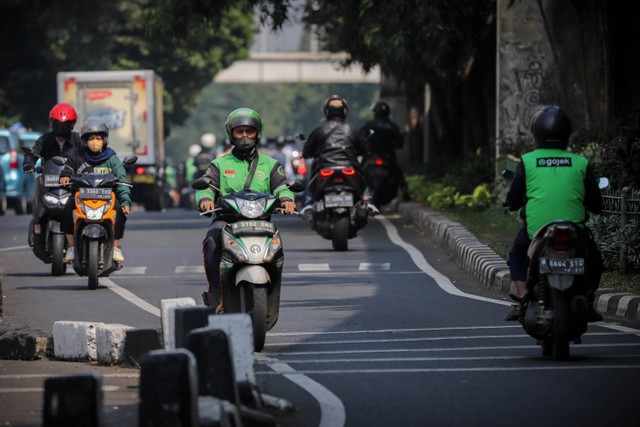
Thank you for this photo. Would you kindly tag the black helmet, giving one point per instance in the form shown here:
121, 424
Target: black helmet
93, 127
381, 109
551, 127
335, 106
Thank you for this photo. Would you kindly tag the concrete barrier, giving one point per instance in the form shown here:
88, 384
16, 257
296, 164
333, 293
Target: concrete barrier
75, 340
167, 307
110, 343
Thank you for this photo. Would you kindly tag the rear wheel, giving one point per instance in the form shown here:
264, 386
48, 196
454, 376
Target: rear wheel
58, 267
561, 325
340, 234
259, 316
21, 204
92, 264
3, 202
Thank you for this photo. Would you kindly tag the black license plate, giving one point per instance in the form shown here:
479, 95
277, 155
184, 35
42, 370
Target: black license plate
51, 180
95, 193
338, 200
562, 266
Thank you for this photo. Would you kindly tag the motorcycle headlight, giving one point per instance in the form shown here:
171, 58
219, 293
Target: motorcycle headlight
95, 214
234, 247
251, 208
274, 246
52, 201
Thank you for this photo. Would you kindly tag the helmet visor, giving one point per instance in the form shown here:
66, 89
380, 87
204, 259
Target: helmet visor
61, 128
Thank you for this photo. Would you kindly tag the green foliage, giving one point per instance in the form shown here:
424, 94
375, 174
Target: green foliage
611, 237
621, 161
112, 35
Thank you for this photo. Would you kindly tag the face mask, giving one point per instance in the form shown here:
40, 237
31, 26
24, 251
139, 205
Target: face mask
245, 143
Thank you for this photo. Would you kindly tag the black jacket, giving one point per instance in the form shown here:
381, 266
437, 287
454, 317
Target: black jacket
47, 147
335, 142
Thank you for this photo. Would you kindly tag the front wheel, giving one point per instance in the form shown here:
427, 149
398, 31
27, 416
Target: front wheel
340, 233
259, 316
561, 325
92, 264
58, 267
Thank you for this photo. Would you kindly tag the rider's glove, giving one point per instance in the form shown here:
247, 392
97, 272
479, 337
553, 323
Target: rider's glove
28, 169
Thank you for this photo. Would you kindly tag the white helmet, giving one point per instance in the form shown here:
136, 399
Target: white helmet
208, 140
194, 150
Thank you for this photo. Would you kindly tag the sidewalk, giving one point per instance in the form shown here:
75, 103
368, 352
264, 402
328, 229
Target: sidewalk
492, 270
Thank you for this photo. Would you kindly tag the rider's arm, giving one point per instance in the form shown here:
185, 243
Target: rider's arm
516, 197
310, 149
30, 159
213, 173
277, 183
123, 192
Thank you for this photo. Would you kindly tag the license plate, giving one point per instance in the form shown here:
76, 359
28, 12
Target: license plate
95, 193
51, 180
379, 172
144, 179
562, 266
338, 200
253, 227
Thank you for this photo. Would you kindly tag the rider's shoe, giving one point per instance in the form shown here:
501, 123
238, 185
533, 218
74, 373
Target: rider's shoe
371, 209
514, 314
117, 255
69, 256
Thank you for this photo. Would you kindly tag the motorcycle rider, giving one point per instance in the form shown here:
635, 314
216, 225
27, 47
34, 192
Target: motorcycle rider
385, 137
335, 142
61, 141
98, 158
229, 174
552, 184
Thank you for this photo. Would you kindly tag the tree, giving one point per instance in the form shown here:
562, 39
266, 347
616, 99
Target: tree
110, 35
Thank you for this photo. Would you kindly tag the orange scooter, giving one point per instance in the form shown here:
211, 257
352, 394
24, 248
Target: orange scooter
94, 220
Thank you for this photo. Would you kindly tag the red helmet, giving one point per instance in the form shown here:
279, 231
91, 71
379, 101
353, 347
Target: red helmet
62, 118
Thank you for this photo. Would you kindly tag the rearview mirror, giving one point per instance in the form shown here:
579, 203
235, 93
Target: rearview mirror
130, 160
59, 160
295, 186
507, 174
201, 183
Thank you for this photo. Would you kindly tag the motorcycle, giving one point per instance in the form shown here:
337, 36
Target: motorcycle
252, 257
337, 214
94, 221
383, 184
50, 243
555, 306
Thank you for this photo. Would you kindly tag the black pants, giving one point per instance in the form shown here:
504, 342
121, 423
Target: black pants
67, 219
212, 255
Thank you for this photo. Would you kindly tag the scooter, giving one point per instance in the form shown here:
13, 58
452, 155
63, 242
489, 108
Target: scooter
337, 213
49, 243
555, 306
252, 257
383, 184
94, 221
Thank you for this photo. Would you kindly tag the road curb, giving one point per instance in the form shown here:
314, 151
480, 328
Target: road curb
492, 270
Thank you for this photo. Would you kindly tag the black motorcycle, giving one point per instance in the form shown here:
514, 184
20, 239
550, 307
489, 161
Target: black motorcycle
383, 183
49, 242
338, 213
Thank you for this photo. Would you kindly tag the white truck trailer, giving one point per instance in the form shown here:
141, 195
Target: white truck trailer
130, 103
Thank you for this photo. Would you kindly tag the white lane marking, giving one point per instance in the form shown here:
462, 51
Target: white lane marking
367, 266
385, 331
131, 270
14, 248
193, 269
129, 296
558, 367
418, 259
28, 376
314, 267
41, 389
332, 411
438, 349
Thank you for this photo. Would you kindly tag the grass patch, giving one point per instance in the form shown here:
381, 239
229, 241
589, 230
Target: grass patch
496, 229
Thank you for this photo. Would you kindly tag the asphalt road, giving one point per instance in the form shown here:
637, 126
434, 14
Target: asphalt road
389, 333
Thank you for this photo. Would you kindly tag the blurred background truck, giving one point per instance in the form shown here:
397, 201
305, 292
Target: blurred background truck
130, 103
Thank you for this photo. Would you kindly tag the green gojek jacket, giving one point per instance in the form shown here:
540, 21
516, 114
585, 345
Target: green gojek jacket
555, 182
229, 173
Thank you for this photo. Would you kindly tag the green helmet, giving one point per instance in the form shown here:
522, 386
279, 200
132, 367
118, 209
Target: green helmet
243, 117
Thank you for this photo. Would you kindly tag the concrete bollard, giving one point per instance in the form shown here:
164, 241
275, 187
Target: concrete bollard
75, 340
110, 341
167, 307
211, 348
138, 342
240, 331
168, 389
188, 319
73, 400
